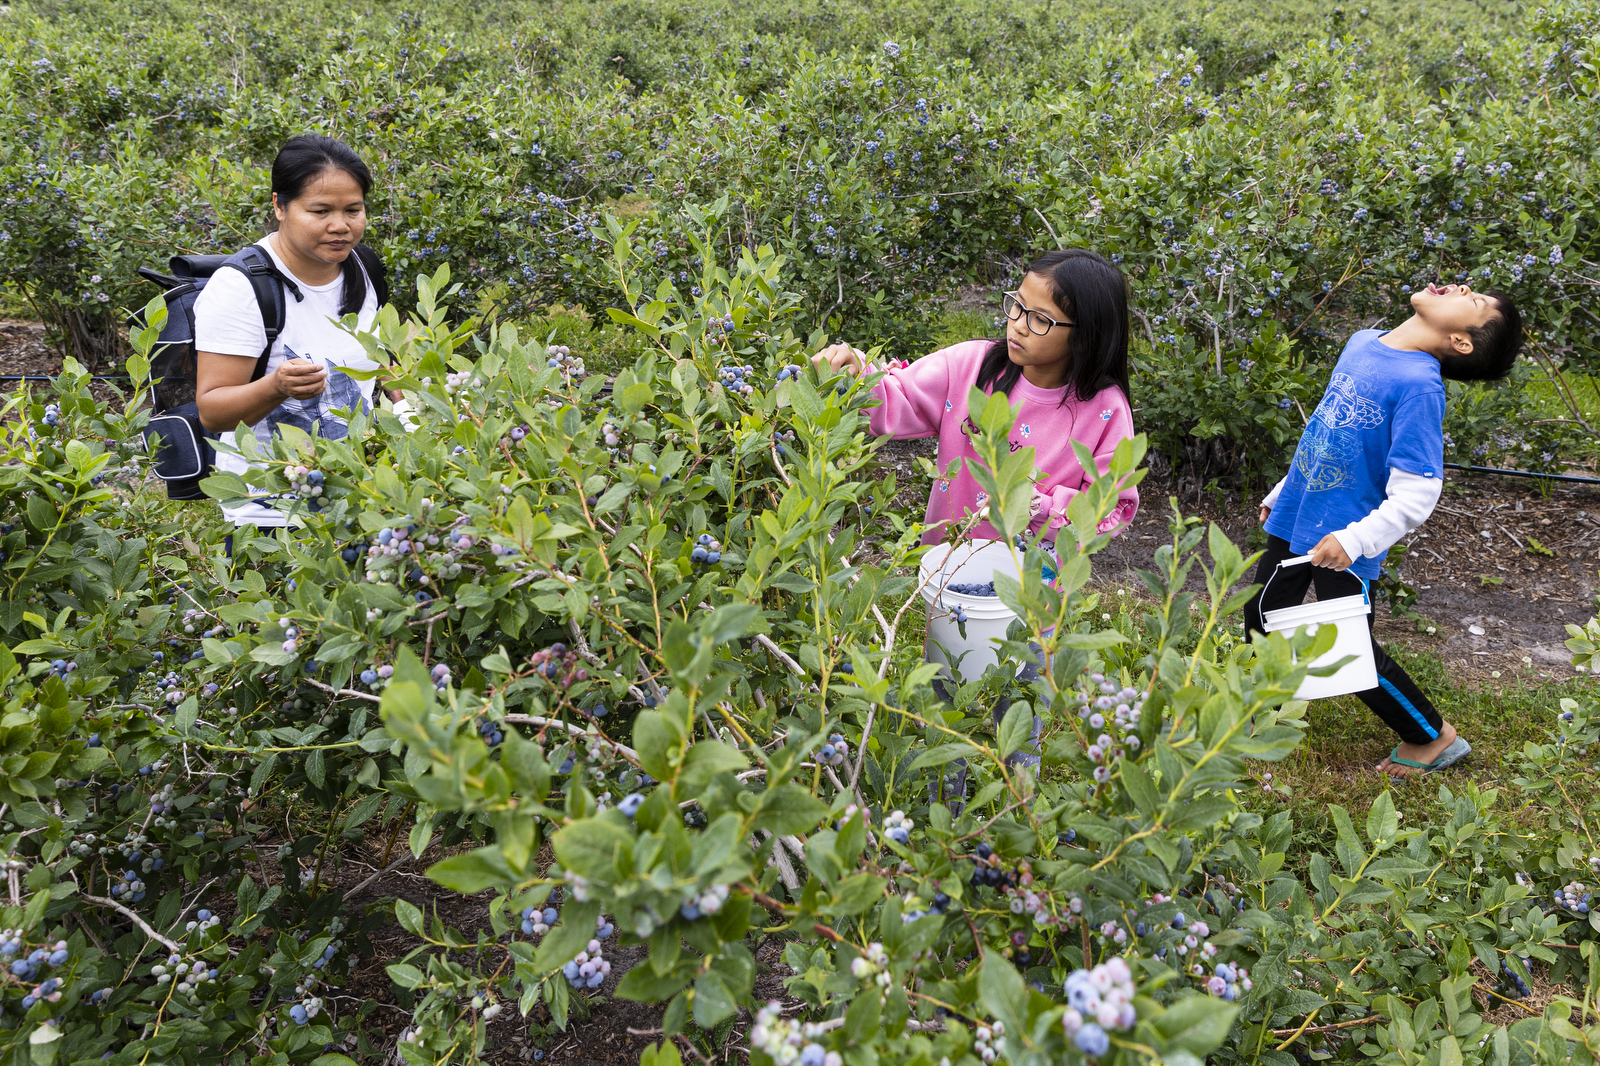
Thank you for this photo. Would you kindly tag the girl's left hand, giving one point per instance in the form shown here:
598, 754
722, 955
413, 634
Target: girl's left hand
841, 357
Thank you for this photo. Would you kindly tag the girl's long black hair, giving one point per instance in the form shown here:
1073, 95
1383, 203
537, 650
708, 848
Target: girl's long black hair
298, 163
1093, 294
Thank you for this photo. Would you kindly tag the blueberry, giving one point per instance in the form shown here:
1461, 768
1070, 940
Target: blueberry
713, 558
298, 1013
203, 915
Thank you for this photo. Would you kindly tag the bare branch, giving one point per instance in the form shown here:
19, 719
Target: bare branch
172, 945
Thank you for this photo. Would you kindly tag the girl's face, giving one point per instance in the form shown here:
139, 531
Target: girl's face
1041, 357
326, 220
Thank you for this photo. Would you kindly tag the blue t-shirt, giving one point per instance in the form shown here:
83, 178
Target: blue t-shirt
1384, 408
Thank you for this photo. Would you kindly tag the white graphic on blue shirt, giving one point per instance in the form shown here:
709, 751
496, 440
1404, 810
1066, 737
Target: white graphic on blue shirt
317, 415
1330, 448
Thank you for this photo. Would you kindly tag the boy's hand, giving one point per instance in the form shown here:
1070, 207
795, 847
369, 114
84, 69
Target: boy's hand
1330, 553
1265, 511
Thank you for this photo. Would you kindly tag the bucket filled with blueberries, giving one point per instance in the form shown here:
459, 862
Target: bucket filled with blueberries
958, 585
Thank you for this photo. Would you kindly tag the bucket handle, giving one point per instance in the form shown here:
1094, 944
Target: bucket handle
1299, 560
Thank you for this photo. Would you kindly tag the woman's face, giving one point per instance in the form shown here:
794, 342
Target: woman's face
1027, 348
326, 220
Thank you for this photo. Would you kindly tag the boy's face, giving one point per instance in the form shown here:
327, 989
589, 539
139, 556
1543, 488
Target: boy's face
1454, 309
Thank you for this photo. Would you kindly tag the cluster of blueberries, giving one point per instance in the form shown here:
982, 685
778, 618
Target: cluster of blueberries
52, 414
733, 378
303, 481
588, 968
562, 359
28, 967
537, 921
370, 677
190, 978
725, 324
61, 668
788, 371
612, 437
1512, 985
1574, 897
462, 381
897, 827
836, 750
204, 919
985, 588
491, 733
558, 665
128, 886
519, 432
441, 677
707, 551
327, 956
708, 902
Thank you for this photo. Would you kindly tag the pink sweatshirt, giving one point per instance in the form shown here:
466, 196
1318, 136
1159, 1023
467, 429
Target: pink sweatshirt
929, 398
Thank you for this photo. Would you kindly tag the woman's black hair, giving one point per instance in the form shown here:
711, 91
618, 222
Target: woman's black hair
299, 162
1091, 291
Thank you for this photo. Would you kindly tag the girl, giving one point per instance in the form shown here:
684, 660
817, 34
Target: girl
1064, 357
319, 201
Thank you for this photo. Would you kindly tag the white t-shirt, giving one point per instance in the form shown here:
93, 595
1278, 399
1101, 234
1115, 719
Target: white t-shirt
227, 321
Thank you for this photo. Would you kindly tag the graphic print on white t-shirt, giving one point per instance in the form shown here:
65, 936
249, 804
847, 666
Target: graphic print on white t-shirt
317, 415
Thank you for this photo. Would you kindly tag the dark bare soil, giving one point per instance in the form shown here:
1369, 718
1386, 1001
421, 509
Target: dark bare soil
1492, 597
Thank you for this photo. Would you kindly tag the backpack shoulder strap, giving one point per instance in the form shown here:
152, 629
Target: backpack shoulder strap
377, 271
269, 284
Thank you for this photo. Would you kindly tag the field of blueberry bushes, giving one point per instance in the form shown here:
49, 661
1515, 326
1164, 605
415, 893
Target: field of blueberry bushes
622, 629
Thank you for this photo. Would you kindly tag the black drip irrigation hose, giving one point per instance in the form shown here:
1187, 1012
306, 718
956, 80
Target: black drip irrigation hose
1524, 473
52, 377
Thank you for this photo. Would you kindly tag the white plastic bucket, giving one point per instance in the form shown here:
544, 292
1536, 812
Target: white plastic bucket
1348, 614
971, 562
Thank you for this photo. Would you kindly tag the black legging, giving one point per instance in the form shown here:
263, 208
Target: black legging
1397, 699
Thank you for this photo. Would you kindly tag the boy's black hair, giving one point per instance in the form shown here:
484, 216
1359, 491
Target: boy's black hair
1091, 291
1495, 345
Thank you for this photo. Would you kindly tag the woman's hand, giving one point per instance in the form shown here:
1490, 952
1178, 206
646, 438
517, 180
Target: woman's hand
299, 379
841, 357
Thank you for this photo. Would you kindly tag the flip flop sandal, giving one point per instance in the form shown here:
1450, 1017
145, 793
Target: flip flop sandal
1459, 749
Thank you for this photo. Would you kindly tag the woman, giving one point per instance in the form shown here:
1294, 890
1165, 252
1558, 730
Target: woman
1064, 357
319, 202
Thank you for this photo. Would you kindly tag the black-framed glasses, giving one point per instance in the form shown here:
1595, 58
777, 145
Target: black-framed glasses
1039, 323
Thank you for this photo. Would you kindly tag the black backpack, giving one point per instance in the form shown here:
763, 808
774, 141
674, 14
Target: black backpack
180, 447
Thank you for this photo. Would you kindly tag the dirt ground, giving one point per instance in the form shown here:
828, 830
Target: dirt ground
1491, 595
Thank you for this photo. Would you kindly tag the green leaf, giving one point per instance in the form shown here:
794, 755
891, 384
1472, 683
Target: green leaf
409, 917
1016, 727
788, 810
575, 929
713, 1000
943, 754
707, 759
589, 847
473, 872
1003, 994
406, 975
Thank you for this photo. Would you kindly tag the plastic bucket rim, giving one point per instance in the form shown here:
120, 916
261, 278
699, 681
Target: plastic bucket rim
1315, 613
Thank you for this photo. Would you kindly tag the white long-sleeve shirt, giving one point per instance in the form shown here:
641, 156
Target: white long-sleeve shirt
1408, 501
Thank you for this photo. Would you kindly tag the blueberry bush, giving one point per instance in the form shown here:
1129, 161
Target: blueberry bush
1271, 178
627, 652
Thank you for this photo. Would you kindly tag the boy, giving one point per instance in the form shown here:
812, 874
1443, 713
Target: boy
1369, 470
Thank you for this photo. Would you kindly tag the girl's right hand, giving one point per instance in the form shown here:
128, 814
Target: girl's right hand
299, 379
841, 357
